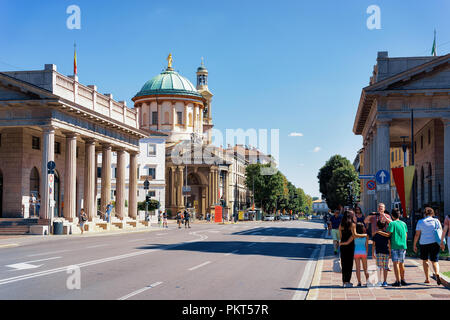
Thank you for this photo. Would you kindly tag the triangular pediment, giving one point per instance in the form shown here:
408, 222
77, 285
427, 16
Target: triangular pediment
431, 75
17, 90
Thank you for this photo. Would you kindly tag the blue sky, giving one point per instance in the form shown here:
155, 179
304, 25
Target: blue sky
297, 66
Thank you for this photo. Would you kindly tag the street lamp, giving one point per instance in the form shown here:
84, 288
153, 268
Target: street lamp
404, 148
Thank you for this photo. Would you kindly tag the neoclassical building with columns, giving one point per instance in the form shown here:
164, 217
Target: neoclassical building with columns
171, 104
46, 116
405, 94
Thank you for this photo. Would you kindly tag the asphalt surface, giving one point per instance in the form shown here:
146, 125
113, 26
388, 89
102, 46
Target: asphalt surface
248, 260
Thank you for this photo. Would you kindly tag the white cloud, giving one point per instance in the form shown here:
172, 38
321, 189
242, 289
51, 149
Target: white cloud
316, 149
295, 134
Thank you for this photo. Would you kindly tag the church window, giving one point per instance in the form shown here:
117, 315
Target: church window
154, 117
36, 143
179, 117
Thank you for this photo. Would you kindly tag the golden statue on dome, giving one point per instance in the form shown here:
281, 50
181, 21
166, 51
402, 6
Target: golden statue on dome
169, 60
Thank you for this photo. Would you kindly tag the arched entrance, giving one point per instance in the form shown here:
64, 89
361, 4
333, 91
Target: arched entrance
195, 199
1, 193
34, 192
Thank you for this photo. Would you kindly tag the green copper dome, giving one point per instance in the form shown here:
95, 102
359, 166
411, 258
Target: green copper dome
168, 82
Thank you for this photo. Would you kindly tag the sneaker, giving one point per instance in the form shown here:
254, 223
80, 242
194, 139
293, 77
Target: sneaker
438, 280
348, 285
396, 284
403, 283
378, 284
384, 284
359, 284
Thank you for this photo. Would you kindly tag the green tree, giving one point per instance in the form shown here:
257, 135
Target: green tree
334, 180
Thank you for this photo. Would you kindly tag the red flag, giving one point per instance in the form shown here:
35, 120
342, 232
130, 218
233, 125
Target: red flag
75, 61
399, 179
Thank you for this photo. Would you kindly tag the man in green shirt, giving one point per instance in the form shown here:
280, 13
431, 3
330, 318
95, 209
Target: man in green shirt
398, 232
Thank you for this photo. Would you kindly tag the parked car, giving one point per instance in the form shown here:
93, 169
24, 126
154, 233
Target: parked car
285, 218
269, 218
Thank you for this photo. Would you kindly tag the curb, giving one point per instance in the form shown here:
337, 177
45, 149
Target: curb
313, 293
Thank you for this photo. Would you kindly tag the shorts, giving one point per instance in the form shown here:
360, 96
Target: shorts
360, 256
383, 261
335, 234
398, 255
430, 252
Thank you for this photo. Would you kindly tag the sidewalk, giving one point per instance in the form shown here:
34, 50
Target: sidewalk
327, 283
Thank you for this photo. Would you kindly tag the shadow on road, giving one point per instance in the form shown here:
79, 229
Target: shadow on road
282, 232
274, 249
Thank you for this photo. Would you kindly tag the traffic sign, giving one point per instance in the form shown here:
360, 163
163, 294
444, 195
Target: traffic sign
371, 184
51, 165
383, 177
366, 176
187, 189
383, 187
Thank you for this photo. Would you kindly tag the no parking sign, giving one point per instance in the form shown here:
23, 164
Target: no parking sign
371, 185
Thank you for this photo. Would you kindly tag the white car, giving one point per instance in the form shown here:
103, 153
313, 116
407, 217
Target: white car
269, 218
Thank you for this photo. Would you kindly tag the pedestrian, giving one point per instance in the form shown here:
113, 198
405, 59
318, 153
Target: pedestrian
165, 219
347, 247
208, 217
333, 227
359, 216
178, 217
33, 204
187, 215
38, 204
381, 245
83, 219
398, 231
429, 247
374, 217
446, 232
325, 220
109, 207
360, 255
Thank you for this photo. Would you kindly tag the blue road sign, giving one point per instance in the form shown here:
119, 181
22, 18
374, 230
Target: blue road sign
383, 177
366, 176
51, 165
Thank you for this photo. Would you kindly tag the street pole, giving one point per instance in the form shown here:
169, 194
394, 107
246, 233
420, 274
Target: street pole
413, 205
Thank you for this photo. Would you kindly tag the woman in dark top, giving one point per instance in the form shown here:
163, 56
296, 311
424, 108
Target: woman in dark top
359, 215
347, 231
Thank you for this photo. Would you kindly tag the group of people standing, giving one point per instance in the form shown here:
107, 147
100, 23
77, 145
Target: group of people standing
183, 216
351, 232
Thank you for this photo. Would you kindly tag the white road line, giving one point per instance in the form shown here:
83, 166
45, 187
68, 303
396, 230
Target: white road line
47, 253
200, 265
307, 273
53, 258
97, 246
227, 254
9, 245
140, 291
161, 234
27, 265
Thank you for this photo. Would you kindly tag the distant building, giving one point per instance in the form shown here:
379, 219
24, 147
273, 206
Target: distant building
320, 206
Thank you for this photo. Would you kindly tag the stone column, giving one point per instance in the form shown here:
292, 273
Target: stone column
210, 188
48, 154
446, 191
120, 185
89, 179
383, 159
106, 177
70, 178
132, 187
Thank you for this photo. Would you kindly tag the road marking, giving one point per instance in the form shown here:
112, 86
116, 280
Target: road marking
9, 245
227, 254
28, 264
200, 265
161, 234
303, 284
263, 238
97, 246
47, 253
140, 291
86, 264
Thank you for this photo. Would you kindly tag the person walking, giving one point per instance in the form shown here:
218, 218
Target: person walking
446, 232
429, 248
187, 216
38, 204
179, 219
333, 227
398, 231
109, 207
347, 247
164, 216
381, 245
326, 217
83, 219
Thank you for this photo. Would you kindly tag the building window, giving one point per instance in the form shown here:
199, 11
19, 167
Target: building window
392, 156
36, 143
99, 172
151, 193
179, 117
78, 148
151, 149
57, 148
115, 172
152, 172
154, 117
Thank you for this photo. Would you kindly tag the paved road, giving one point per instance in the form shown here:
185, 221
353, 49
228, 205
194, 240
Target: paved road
250, 260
